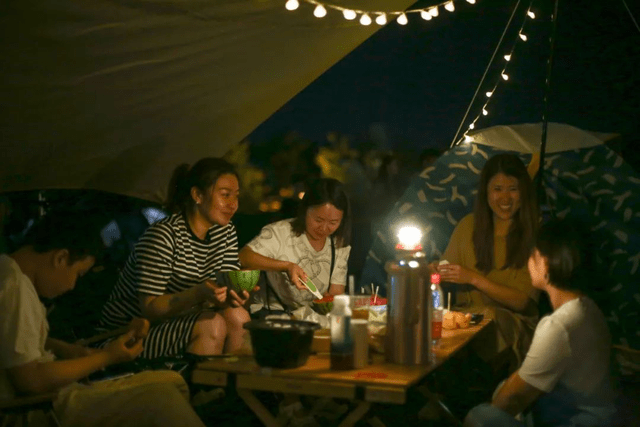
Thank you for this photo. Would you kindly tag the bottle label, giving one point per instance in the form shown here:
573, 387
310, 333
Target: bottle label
341, 334
436, 329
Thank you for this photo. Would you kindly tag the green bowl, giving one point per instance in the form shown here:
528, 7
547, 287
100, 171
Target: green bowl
244, 280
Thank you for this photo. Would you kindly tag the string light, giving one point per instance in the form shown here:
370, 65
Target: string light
349, 14
505, 77
321, 9
381, 19
292, 4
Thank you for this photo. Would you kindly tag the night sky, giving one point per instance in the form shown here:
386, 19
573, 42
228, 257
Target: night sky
417, 80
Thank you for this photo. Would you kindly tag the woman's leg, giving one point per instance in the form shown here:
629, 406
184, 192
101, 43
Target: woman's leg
486, 415
208, 334
235, 318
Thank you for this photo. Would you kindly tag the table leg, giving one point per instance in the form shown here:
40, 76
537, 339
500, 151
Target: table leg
356, 414
443, 408
258, 408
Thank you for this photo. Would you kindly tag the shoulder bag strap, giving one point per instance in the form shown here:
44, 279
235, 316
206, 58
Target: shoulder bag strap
333, 259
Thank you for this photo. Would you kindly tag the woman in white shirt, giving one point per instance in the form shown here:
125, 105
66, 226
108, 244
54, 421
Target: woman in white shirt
564, 379
313, 245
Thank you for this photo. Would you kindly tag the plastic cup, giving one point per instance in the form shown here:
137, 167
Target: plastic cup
360, 306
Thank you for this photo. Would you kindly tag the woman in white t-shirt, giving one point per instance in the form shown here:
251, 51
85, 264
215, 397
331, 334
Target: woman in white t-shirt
564, 380
313, 245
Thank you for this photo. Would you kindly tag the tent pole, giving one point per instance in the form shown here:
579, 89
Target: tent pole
545, 108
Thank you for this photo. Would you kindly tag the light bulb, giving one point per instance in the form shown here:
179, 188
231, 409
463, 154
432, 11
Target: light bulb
425, 15
505, 77
349, 15
320, 11
450, 7
434, 11
381, 19
472, 125
468, 139
409, 236
365, 19
531, 15
484, 112
402, 19
471, 1
489, 94
507, 57
523, 37
292, 4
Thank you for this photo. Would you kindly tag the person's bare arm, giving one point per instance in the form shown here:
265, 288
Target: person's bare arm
512, 298
65, 350
161, 307
253, 260
36, 377
515, 395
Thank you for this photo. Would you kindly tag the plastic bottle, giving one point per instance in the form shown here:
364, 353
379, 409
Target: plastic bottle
437, 297
341, 336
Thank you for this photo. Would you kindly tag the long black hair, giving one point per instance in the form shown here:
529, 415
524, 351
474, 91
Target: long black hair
202, 175
319, 192
522, 233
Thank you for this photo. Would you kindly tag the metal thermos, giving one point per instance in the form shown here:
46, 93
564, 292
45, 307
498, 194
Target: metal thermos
409, 309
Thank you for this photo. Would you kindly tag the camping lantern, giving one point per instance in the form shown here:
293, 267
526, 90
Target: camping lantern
409, 307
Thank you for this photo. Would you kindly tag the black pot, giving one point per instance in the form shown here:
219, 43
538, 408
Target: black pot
281, 343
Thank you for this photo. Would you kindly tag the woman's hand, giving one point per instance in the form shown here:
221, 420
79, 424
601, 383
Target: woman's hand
455, 273
240, 299
212, 292
297, 276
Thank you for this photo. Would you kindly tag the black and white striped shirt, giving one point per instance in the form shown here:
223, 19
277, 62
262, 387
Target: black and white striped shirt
168, 259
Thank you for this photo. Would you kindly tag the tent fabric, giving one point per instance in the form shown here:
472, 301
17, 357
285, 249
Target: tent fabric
113, 94
588, 183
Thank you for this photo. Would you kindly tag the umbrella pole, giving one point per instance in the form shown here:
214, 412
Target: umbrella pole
545, 109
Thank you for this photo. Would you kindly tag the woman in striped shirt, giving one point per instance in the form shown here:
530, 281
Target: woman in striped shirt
169, 278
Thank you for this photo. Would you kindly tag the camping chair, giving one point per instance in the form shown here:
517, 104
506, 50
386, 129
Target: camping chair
626, 365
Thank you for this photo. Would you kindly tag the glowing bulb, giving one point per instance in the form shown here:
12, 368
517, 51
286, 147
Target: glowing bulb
425, 15
505, 77
434, 11
292, 5
507, 57
468, 139
450, 7
320, 11
531, 15
489, 94
402, 19
471, 1
409, 237
349, 15
365, 19
472, 125
523, 37
381, 19
484, 112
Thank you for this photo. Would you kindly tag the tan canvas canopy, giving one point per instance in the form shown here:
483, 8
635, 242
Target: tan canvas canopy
112, 95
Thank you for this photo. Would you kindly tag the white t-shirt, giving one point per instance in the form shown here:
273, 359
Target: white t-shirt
23, 323
569, 359
280, 242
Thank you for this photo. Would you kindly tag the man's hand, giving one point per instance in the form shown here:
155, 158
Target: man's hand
125, 348
212, 292
297, 276
140, 329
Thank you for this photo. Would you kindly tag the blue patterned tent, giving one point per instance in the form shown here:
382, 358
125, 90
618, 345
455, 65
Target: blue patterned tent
582, 178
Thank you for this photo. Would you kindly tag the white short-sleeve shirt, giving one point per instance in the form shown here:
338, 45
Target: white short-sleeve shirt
569, 355
23, 323
279, 241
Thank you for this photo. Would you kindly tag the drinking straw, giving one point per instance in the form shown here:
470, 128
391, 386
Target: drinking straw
375, 295
449, 301
362, 290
